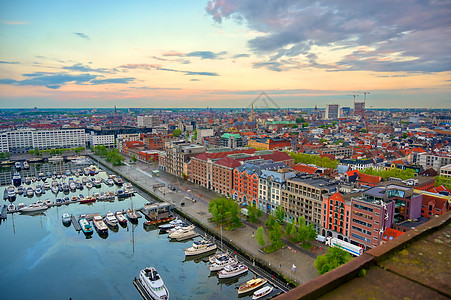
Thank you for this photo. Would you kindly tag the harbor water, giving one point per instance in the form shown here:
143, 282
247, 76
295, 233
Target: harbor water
43, 259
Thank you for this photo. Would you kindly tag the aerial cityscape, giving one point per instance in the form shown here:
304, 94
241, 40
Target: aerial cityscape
225, 149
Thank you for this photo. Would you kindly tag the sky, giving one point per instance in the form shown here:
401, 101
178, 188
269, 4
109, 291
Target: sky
224, 53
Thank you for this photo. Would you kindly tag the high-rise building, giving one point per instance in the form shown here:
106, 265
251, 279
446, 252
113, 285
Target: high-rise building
332, 111
148, 121
359, 108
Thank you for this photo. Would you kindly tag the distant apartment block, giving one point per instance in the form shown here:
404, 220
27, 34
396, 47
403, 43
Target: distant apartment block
106, 140
336, 151
177, 155
232, 140
435, 161
23, 140
149, 121
446, 171
332, 111
269, 144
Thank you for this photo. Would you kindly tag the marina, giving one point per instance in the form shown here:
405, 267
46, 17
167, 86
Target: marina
42, 246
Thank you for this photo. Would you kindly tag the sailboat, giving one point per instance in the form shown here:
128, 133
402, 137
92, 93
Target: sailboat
131, 213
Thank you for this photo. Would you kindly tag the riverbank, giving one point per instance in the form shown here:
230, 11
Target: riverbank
280, 262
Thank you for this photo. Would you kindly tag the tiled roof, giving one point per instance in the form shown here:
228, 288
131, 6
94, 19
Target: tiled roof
439, 189
228, 162
390, 233
439, 203
305, 169
369, 178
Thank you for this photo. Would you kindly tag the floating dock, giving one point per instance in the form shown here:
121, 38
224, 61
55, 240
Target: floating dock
75, 223
4, 212
141, 289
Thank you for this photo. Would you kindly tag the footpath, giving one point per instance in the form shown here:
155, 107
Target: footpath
181, 194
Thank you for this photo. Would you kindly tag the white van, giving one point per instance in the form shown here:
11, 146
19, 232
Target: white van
321, 238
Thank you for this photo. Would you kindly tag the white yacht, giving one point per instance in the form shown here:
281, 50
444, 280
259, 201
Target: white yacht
110, 219
33, 207
66, 218
154, 285
221, 263
200, 247
183, 233
262, 292
232, 271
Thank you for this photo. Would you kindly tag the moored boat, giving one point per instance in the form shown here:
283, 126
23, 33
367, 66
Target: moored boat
26, 166
200, 247
11, 207
153, 283
132, 215
17, 179
262, 292
221, 263
85, 226
66, 218
33, 207
120, 217
20, 190
110, 219
99, 224
251, 285
232, 271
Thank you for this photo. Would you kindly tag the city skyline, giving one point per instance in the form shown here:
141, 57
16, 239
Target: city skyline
223, 53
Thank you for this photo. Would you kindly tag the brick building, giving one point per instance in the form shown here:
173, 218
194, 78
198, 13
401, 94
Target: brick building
246, 179
336, 216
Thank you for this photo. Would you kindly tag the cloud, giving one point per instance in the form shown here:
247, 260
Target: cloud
206, 54
8, 22
179, 60
57, 80
150, 67
82, 35
9, 62
415, 30
112, 81
78, 67
200, 54
241, 55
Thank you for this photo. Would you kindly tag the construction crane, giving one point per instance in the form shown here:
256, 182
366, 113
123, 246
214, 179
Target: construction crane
354, 95
364, 94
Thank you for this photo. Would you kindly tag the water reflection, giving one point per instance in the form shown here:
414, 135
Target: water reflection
40, 249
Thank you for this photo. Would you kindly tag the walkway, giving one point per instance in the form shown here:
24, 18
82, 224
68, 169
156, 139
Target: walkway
280, 261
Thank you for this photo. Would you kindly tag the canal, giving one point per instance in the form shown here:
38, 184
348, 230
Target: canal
43, 259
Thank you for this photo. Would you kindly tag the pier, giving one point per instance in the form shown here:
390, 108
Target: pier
141, 289
4, 212
75, 223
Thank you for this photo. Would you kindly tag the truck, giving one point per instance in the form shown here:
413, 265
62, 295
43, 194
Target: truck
348, 247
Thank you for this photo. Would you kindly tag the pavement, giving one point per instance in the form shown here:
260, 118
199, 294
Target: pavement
280, 261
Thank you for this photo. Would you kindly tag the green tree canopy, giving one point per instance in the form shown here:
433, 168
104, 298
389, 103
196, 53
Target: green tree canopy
225, 212
333, 258
254, 213
313, 159
280, 213
260, 236
385, 174
177, 132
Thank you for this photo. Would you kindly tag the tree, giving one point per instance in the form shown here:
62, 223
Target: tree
254, 213
295, 126
305, 124
225, 212
275, 235
300, 120
363, 130
133, 158
260, 236
333, 258
404, 136
177, 132
280, 213
385, 174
